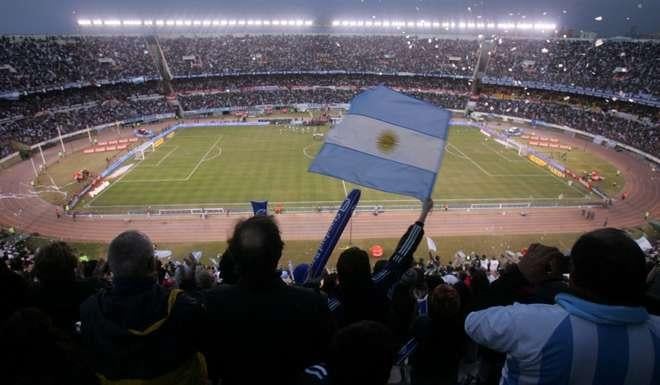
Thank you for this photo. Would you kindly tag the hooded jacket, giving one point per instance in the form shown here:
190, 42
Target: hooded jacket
571, 342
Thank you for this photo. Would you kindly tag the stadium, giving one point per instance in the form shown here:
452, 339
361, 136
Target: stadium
179, 128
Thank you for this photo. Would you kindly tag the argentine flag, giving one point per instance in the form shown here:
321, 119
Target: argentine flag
387, 141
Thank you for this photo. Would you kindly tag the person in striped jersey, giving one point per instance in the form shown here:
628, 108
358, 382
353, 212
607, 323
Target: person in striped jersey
596, 333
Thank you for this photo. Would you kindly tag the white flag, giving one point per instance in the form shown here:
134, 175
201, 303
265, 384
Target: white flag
431, 245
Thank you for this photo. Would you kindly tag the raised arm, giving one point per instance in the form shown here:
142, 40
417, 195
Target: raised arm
402, 258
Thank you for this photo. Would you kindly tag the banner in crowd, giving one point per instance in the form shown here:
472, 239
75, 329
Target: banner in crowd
259, 207
386, 141
332, 236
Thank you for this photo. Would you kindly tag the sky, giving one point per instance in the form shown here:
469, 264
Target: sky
58, 16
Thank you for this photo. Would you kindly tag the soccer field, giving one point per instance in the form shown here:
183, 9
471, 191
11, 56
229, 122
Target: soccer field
229, 166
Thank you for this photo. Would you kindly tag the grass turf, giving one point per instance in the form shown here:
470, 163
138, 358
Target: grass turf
227, 166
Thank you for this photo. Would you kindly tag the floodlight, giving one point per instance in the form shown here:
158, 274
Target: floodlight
197, 22
335, 23
378, 24
368, 24
223, 22
148, 22
470, 25
445, 24
206, 23
266, 22
97, 22
309, 22
132, 22
283, 23
112, 23
411, 24
299, 22
232, 22
258, 22
490, 25
436, 24
524, 26
241, 22
276, 22
170, 22
360, 23
352, 23
84, 22
160, 23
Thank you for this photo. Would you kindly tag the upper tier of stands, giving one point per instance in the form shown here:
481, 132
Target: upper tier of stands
613, 67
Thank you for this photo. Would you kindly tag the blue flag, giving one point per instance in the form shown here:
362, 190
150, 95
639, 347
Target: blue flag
387, 141
260, 207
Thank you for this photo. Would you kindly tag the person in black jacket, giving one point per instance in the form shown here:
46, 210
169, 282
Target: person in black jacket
58, 291
362, 296
262, 331
138, 330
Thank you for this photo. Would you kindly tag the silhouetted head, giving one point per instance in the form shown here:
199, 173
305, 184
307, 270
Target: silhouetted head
256, 248
55, 263
608, 267
131, 255
361, 353
353, 269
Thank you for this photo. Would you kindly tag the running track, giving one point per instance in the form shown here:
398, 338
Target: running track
27, 212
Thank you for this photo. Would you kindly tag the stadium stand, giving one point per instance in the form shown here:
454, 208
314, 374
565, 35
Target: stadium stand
183, 322
79, 82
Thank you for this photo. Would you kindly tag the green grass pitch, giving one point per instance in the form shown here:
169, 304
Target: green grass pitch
226, 166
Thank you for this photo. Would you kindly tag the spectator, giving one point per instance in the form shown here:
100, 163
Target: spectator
262, 331
58, 292
360, 298
137, 330
440, 340
598, 334
35, 352
361, 353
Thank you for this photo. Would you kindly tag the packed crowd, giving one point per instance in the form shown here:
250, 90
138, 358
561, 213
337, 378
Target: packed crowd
605, 65
35, 118
134, 319
36, 63
639, 135
31, 64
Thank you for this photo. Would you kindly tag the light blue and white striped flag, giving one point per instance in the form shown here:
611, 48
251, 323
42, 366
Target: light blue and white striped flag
387, 141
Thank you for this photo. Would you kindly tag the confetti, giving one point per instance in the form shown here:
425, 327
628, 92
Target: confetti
544, 50
599, 42
566, 97
598, 18
513, 49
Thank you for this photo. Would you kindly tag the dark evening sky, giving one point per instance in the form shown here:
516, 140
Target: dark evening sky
58, 16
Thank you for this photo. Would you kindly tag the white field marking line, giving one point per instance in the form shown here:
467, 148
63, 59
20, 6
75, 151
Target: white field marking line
89, 204
344, 185
493, 200
166, 156
544, 175
215, 156
305, 151
498, 154
194, 170
470, 159
187, 178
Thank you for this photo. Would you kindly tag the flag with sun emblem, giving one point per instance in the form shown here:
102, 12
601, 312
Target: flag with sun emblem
386, 141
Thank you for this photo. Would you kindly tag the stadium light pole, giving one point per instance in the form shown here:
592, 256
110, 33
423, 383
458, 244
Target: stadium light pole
36, 173
59, 133
43, 158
